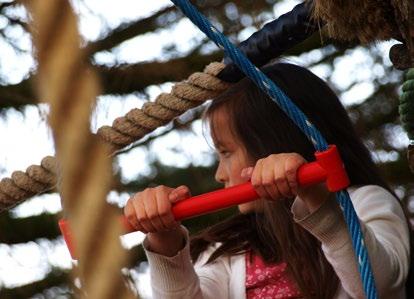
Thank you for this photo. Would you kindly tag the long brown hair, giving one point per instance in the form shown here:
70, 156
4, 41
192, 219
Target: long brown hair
263, 129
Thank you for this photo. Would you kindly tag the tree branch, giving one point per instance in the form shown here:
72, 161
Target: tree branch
22, 230
122, 79
7, 4
55, 278
125, 79
17, 95
130, 30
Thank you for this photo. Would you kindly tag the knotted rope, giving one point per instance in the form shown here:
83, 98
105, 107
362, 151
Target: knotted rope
125, 130
71, 87
297, 116
406, 109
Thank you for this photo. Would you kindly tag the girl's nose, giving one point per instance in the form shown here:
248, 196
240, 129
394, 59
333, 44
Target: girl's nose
220, 175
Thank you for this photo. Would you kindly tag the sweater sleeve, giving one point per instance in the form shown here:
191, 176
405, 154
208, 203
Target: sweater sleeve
386, 238
176, 277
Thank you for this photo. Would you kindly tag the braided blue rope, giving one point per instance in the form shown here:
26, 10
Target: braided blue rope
297, 116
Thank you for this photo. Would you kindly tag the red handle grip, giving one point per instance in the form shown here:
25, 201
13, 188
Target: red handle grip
328, 168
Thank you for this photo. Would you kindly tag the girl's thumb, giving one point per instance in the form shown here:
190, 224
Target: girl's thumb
179, 193
246, 173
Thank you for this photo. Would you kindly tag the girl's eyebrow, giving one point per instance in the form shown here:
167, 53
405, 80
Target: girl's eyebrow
216, 141
219, 144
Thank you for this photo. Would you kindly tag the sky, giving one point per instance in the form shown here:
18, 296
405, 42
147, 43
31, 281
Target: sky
28, 138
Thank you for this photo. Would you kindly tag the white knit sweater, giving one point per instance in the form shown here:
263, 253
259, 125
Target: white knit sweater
386, 237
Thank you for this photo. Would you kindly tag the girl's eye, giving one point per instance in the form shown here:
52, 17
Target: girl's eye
224, 153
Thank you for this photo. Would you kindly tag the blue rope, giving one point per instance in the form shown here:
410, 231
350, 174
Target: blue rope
298, 117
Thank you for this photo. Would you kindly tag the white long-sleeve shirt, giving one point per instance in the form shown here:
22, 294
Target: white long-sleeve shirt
386, 238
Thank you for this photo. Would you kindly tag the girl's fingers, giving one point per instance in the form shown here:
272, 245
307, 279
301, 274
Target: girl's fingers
140, 228
256, 180
130, 215
158, 207
179, 193
268, 181
281, 182
141, 211
291, 167
151, 208
272, 192
148, 210
246, 173
275, 176
164, 210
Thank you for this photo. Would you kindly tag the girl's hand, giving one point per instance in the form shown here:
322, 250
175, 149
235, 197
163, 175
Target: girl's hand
275, 177
150, 212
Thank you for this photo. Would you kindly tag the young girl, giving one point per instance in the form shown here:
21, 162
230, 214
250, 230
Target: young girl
293, 242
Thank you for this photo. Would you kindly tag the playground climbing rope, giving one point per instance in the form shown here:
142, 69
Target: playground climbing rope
125, 130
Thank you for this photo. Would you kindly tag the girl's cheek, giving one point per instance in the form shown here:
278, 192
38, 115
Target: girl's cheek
230, 173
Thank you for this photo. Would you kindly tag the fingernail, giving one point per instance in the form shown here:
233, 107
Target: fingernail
183, 191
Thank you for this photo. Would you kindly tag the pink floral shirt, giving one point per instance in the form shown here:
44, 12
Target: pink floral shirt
268, 281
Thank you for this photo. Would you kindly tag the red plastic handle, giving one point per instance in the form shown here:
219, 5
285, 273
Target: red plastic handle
328, 168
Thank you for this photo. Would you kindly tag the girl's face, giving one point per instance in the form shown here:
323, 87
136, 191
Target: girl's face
232, 155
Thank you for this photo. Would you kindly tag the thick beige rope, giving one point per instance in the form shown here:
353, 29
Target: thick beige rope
184, 95
67, 83
125, 130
